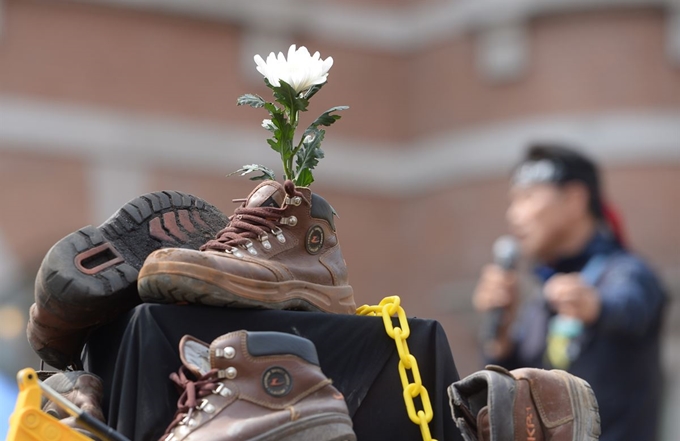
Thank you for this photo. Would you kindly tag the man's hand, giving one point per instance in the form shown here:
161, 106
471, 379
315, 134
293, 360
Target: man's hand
570, 296
496, 289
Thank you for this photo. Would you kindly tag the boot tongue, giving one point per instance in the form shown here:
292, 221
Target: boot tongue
267, 194
195, 355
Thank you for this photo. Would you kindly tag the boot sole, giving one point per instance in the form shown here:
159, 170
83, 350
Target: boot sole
89, 277
323, 427
585, 408
179, 282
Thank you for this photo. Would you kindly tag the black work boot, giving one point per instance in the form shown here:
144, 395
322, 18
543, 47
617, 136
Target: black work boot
89, 277
256, 386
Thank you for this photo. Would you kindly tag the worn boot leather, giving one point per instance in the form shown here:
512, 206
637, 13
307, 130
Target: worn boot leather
524, 404
280, 251
83, 389
89, 277
256, 386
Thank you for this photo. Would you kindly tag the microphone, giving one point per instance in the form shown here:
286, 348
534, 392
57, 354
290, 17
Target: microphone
505, 254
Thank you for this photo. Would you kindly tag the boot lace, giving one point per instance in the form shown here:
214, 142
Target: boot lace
193, 390
249, 223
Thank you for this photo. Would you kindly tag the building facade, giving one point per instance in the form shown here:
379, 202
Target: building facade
102, 100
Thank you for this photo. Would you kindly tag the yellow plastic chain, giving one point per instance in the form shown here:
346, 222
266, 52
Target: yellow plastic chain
407, 362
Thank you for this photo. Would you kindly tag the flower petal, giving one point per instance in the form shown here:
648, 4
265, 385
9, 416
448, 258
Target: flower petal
291, 52
327, 64
299, 69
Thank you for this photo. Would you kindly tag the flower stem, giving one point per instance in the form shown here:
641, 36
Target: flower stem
297, 149
293, 122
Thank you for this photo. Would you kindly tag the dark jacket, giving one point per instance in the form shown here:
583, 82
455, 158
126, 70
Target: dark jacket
619, 355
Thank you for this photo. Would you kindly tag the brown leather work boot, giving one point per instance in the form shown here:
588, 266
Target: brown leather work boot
89, 277
256, 386
280, 251
83, 389
527, 404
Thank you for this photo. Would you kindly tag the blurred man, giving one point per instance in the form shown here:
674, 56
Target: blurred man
598, 314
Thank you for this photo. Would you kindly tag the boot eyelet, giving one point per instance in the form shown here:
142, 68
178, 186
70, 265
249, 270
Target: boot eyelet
227, 352
229, 373
279, 235
236, 253
295, 200
250, 249
292, 221
264, 239
206, 407
223, 390
183, 430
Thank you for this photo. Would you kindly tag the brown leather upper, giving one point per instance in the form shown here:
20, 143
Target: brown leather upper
287, 261
543, 409
83, 389
248, 410
55, 340
524, 404
285, 256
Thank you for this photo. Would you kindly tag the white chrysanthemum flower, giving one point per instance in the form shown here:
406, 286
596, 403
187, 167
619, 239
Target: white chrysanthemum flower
301, 70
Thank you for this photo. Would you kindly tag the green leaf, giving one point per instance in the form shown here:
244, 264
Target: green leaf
279, 119
326, 119
272, 109
251, 100
304, 178
267, 173
313, 90
274, 144
287, 97
283, 132
268, 125
310, 153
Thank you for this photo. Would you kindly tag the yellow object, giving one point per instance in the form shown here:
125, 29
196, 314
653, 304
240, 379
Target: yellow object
29, 422
557, 351
407, 362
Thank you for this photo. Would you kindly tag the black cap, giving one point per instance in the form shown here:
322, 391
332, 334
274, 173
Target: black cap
559, 164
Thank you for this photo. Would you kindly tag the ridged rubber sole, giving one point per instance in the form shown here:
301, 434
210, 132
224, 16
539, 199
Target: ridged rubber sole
181, 282
585, 407
90, 276
95, 264
323, 427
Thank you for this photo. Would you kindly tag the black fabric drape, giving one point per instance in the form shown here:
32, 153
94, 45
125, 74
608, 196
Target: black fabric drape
135, 355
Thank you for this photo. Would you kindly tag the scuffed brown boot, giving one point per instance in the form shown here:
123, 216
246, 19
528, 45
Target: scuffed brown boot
89, 277
256, 386
280, 251
83, 389
525, 404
